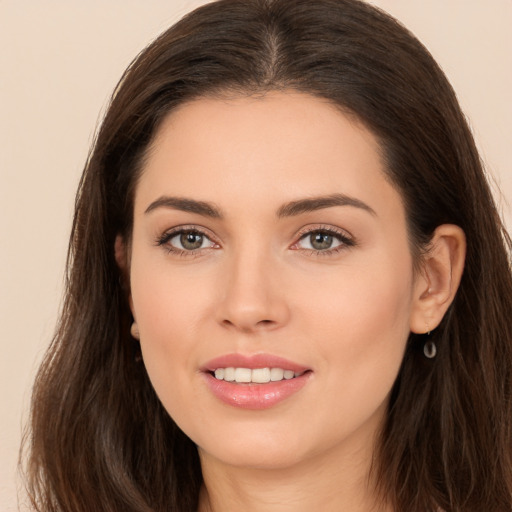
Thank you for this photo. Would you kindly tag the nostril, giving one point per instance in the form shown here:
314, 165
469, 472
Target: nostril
265, 322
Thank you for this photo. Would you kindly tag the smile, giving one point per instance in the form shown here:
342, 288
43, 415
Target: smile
256, 375
258, 381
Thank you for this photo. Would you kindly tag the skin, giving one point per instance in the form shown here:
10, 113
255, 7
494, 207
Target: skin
256, 286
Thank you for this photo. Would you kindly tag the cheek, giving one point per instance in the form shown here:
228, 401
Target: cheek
167, 297
367, 311
168, 307
361, 324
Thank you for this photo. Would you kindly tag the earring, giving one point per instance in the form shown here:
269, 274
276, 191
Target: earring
430, 350
134, 331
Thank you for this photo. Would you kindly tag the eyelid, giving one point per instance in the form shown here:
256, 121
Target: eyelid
346, 238
343, 235
163, 239
313, 228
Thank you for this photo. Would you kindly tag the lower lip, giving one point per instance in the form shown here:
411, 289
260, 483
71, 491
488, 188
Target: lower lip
255, 396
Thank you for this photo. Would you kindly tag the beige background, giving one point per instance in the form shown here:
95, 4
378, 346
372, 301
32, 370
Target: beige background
60, 59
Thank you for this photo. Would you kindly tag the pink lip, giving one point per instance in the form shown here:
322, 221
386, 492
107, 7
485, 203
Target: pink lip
254, 396
254, 361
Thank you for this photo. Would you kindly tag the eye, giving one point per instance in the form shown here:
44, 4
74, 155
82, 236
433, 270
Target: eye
185, 241
189, 240
323, 240
319, 241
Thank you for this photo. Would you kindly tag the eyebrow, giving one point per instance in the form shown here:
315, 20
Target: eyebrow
318, 203
290, 209
186, 205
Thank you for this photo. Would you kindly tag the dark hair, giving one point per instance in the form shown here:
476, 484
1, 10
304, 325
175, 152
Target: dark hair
100, 438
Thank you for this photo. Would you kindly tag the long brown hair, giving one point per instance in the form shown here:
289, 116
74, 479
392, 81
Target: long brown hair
101, 441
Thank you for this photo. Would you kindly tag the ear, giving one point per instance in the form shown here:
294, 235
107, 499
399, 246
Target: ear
121, 254
438, 279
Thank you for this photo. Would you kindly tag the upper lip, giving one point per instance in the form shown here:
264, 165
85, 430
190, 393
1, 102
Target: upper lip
252, 362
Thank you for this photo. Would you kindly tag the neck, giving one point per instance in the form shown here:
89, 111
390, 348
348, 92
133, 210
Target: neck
331, 483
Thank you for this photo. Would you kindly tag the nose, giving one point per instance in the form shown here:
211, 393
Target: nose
253, 297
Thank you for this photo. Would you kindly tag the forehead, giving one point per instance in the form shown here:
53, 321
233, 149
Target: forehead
269, 148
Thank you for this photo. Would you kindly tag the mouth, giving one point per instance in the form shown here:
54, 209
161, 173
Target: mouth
254, 382
255, 375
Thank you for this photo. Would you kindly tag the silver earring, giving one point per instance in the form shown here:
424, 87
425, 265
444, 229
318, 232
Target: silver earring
134, 331
430, 350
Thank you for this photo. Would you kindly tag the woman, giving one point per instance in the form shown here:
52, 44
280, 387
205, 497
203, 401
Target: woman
288, 283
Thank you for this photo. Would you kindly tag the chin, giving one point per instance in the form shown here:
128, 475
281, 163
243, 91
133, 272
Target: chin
255, 450
256, 457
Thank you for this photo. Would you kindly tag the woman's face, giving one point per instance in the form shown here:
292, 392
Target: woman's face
267, 239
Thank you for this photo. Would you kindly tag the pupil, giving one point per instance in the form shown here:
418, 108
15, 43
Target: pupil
321, 241
191, 241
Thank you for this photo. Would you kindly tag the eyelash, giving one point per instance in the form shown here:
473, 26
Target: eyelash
163, 241
346, 241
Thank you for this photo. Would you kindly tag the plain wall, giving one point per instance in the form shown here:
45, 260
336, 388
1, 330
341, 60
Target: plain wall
59, 61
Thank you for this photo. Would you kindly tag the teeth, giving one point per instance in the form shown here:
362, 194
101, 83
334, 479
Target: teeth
260, 375
257, 375
229, 374
276, 374
243, 375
